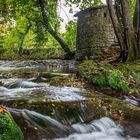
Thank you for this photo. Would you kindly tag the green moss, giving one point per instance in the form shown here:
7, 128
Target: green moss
123, 77
8, 128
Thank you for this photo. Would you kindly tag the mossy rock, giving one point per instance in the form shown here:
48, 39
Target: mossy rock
69, 81
8, 128
101, 105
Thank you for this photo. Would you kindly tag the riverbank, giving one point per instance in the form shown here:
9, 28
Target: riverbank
115, 88
32, 54
123, 78
120, 103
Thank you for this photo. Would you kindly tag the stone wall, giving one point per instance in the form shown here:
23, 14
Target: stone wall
95, 33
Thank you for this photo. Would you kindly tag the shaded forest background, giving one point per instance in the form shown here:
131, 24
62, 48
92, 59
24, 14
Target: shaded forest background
32, 29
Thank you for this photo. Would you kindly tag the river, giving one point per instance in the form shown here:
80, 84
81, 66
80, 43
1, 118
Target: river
45, 111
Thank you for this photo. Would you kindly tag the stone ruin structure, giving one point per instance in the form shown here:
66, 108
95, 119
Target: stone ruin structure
95, 34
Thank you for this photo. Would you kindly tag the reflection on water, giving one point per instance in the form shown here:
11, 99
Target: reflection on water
49, 65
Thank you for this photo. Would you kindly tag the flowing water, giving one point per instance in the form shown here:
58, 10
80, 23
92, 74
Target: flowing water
28, 90
51, 112
101, 129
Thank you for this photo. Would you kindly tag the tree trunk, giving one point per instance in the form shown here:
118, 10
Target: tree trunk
45, 15
137, 24
59, 40
129, 34
22, 39
117, 29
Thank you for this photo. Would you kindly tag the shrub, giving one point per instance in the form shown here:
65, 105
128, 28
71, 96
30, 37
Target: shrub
94, 73
116, 80
98, 79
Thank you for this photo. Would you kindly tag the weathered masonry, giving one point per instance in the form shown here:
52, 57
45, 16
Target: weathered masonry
95, 33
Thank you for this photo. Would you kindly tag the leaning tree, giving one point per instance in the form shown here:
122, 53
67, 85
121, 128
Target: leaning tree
39, 13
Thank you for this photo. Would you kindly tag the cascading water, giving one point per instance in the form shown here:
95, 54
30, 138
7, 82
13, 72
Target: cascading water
19, 88
65, 108
101, 129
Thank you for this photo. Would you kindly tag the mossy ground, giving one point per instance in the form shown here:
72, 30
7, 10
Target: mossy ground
8, 128
123, 77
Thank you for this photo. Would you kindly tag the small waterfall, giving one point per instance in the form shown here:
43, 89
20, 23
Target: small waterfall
40, 126
101, 129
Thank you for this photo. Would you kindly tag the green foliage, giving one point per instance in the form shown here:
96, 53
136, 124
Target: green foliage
99, 79
40, 33
116, 80
18, 15
36, 53
50, 52
70, 34
2, 51
11, 40
89, 67
82, 4
94, 73
8, 128
131, 71
132, 6
123, 77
